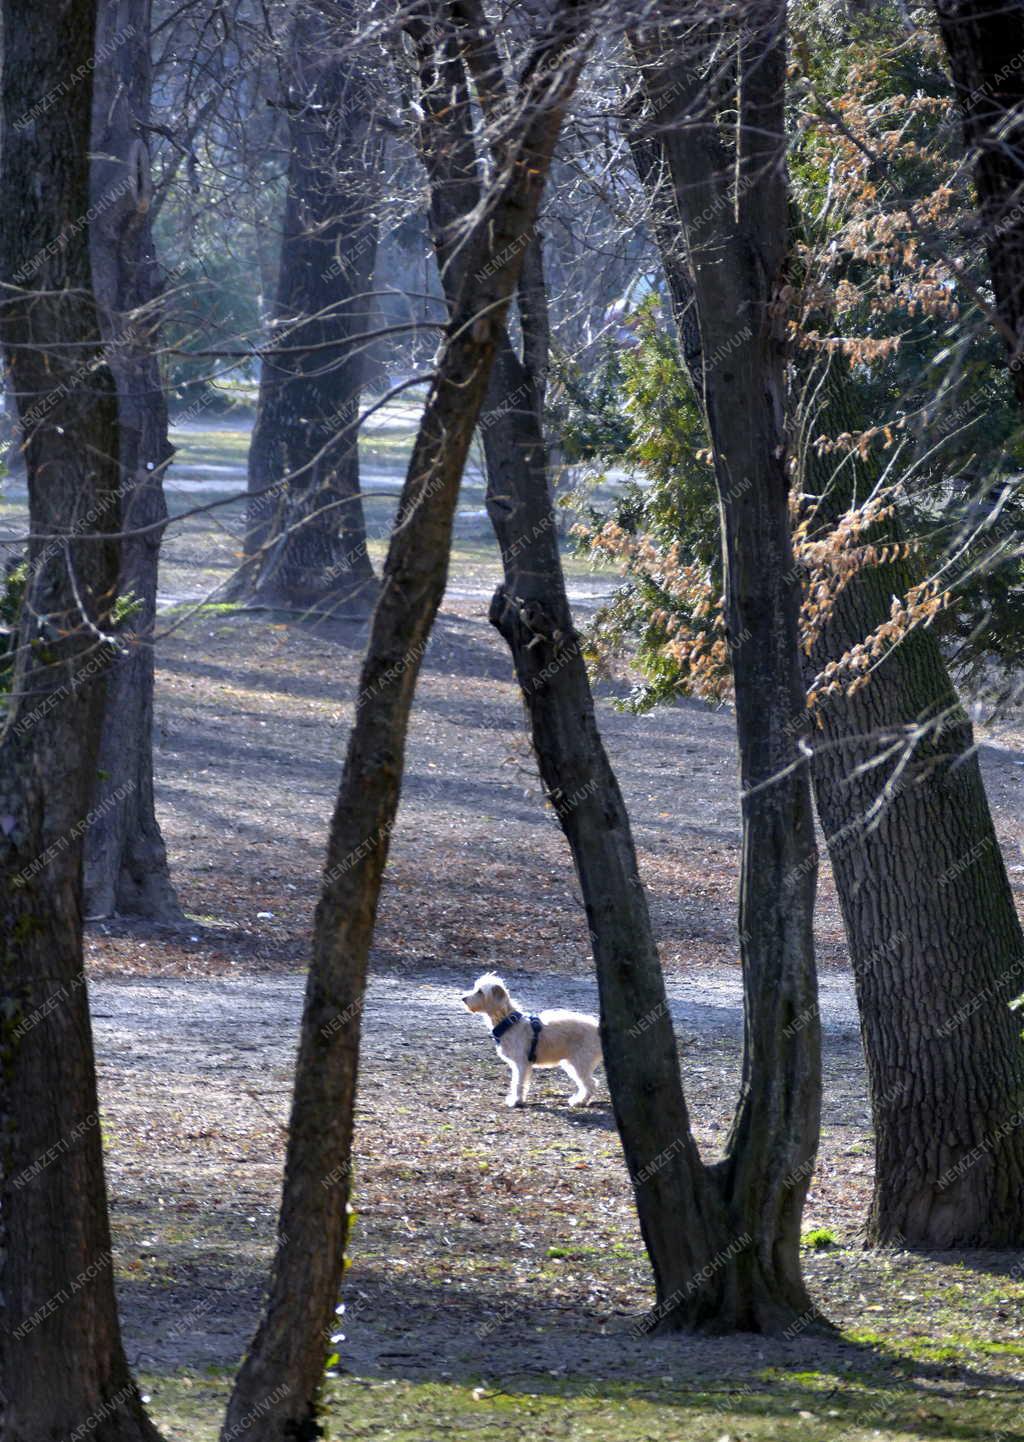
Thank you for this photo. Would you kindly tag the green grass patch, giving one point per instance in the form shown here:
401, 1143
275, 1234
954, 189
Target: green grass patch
819, 1239
204, 608
776, 1407
229, 443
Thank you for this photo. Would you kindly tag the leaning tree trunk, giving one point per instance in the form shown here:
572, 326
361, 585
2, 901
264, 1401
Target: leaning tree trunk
935, 941
682, 1223
305, 530
734, 212
61, 1360
125, 858
985, 42
276, 1394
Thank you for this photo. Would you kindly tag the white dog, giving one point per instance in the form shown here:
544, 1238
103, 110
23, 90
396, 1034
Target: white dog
554, 1038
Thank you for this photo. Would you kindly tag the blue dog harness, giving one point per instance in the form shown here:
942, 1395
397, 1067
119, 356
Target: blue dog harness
509, 1021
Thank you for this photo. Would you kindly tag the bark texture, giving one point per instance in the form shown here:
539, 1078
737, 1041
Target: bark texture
126, 860
62, 1365
935, 941
984, 42
276, 1393
733, 206
306, 532
703, 1266
681, 1221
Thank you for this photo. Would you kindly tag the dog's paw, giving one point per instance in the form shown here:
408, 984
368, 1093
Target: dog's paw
514, 1102
579, 1101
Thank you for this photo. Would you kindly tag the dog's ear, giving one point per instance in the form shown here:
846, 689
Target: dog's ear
498, 990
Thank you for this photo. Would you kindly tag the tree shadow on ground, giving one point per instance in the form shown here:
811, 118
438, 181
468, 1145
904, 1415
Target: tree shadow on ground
596, 1117
512, 1343
997, 1262
521, 1346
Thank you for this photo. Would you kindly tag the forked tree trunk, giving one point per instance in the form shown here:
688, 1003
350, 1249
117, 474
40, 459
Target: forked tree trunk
985, 42
278, 1387
125, 857
708, 1273
306, 530
61, 1360
734, 211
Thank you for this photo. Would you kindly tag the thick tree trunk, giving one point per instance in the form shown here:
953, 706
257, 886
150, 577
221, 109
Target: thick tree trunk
62, 1366
984, 42
734, 210
125, 860
277, 1389
935, 941
306, 531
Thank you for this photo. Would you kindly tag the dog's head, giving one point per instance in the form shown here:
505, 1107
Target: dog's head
488, 994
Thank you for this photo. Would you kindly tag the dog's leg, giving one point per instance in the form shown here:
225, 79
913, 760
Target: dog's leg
587, 1073
519, 1085
584, 1091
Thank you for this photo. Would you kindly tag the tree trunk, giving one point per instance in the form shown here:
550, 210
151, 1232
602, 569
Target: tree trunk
277, 1389
61, 1360
306, 531
984, 43
703, 1268
935, 941
126, 861
931, 959
734, 210
682, 1224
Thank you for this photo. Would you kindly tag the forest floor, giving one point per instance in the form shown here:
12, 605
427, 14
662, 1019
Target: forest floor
497, 1273
497, 1276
